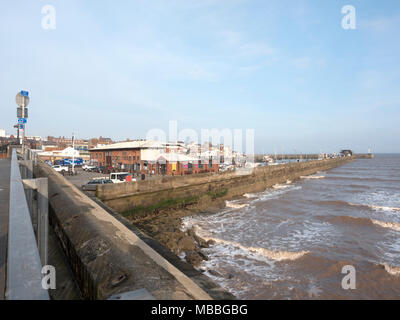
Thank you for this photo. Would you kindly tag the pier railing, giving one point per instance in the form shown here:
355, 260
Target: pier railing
24, 265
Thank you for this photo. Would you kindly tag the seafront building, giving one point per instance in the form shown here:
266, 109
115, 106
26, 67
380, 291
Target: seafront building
152, 157
53, 155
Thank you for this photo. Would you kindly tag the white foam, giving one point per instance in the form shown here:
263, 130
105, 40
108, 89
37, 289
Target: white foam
389, 225
269, 254
394, 271
312, 177
280, 186
384, 208
275, 193
234, 205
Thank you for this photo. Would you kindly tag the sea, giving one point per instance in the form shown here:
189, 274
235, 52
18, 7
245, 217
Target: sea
332, 235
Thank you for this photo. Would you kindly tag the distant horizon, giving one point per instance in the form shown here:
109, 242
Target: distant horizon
256, 153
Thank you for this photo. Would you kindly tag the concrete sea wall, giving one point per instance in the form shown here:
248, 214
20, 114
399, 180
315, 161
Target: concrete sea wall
105, 256
205, 188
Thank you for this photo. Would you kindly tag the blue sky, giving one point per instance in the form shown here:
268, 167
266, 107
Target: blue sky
286, 69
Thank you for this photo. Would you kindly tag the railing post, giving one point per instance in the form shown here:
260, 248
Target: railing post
43, 218
40, 213
26, 168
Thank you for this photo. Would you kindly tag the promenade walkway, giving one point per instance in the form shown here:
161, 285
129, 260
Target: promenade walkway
4, 206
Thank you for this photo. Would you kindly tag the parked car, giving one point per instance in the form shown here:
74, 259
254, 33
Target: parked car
88, 167
78, 162
92, 184
119, 177
60, 168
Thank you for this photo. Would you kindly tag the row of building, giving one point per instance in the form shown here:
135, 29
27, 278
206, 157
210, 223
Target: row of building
152, 157
138, 156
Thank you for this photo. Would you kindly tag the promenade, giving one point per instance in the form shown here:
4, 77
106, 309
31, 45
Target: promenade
4, 206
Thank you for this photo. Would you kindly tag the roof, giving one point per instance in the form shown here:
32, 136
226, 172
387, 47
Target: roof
68, 152
137, 144
176, 157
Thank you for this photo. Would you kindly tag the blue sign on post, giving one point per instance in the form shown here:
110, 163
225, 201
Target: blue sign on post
22, 121
24, 93
21, 127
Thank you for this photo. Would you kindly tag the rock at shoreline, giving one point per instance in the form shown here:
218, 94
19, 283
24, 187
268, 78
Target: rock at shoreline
215, 273
193, 258
203, 255
166, 229
201, 242
210, 242
186, 244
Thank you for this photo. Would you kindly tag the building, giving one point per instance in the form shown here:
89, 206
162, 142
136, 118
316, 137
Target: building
149, 157
125, 156
54, 154
346, 153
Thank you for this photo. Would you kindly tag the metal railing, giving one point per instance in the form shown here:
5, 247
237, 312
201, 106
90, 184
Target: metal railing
24, 267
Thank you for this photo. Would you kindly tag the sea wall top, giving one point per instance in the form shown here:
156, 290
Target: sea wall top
113, 191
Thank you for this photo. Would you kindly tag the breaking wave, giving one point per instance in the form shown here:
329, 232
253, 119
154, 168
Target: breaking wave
395, 271
359, 220
366, 206
280, 186
312, 177
250, 195
234, 205
385, 208
389, 225
361, 179
272, 193
347, 219
269, 254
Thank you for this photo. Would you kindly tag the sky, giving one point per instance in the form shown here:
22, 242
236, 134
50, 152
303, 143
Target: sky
286, 69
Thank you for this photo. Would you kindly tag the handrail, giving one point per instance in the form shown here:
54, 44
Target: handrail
24, 269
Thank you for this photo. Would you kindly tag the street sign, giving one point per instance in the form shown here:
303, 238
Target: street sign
24, 93
22, 100
21, 127
19, 113
22, 120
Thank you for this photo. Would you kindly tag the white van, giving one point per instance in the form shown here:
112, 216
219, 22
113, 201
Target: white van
119, 177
